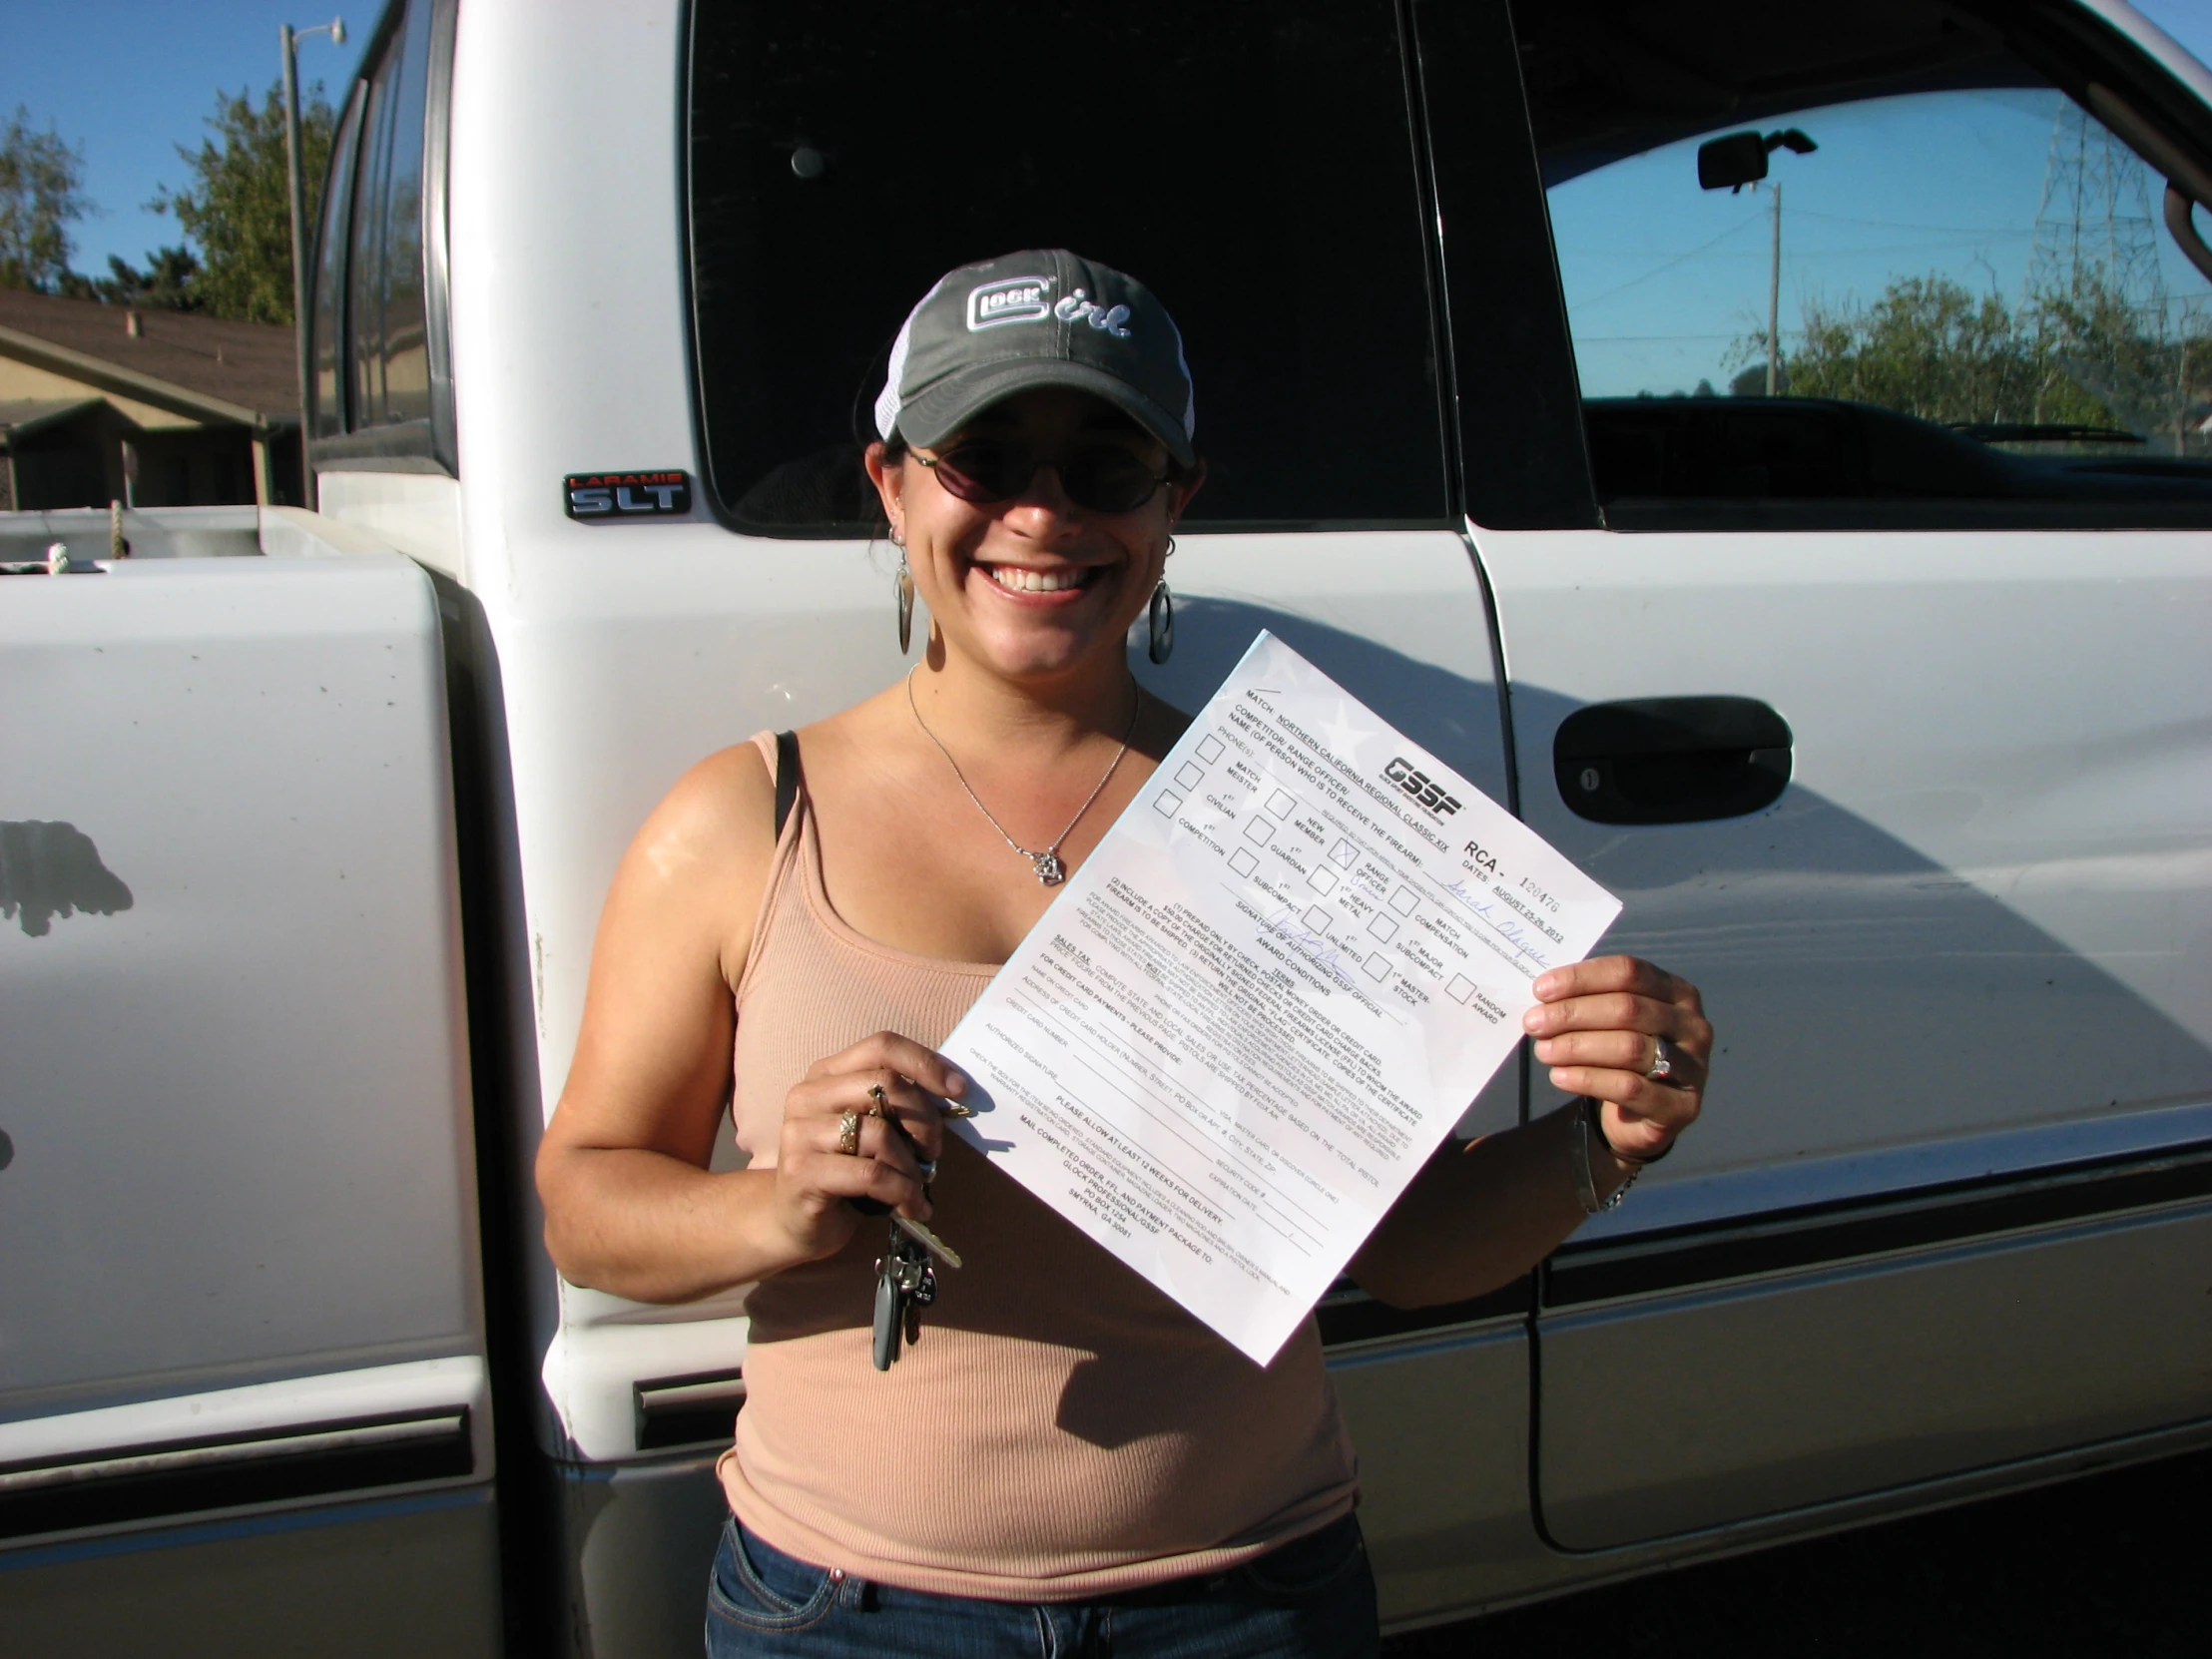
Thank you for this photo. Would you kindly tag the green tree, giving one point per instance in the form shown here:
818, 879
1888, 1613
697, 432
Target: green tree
2116, 360
40, 197
238, 207
1927, 346
170, 282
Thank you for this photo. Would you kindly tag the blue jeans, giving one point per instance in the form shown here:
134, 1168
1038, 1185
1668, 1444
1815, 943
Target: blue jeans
1314, 1598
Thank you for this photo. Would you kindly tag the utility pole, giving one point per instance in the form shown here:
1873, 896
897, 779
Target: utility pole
1774, 298
289, 40
1729, 163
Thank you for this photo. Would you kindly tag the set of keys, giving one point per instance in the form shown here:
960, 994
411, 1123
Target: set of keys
905, 1281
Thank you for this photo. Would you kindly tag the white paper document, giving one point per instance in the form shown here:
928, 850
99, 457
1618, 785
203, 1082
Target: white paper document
1250, 1016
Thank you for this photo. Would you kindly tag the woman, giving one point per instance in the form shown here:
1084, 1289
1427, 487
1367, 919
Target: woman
1066, 1457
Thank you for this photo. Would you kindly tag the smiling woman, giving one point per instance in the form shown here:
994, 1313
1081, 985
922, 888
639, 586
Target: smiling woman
809, 914
1043, 457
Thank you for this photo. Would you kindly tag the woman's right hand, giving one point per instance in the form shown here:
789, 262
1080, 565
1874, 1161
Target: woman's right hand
814, 1178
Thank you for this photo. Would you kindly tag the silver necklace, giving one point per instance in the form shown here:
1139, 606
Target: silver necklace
1047, 863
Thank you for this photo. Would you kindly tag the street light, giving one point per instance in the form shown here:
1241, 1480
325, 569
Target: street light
1737, 160
291, 38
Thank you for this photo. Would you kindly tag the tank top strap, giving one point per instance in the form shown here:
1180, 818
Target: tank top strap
784, 878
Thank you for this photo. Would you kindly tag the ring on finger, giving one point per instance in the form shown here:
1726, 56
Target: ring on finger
1664, 1061
848, 1134
881, 1107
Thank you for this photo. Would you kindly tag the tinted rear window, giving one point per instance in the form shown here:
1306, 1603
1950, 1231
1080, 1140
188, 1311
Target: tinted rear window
1251, 164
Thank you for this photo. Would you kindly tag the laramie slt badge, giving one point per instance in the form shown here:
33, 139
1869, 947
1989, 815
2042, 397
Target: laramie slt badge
602, 497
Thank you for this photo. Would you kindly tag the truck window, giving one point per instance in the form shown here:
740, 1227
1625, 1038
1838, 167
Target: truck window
327, 320
1253, 165
389, 316
1973, 293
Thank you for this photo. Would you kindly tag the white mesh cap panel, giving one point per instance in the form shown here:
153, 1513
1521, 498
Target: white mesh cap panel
887, 401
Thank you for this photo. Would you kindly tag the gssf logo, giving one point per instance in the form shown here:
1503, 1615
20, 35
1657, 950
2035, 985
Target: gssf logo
602, 497
1417, 785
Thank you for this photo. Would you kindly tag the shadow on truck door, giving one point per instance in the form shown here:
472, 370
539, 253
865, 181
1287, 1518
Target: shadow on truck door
518, 1280
1986, 1058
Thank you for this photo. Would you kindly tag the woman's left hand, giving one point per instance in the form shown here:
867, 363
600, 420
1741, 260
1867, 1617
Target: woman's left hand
1598, 1026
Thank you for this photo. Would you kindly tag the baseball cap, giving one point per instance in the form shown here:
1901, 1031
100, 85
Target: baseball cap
1046, 317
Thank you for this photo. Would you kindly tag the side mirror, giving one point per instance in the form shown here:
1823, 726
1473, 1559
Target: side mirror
1731, 162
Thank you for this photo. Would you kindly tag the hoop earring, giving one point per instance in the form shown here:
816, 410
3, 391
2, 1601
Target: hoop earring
903, 592
1161, 621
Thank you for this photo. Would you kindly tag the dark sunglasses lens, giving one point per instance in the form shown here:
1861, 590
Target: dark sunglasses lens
1107, 479
982, 472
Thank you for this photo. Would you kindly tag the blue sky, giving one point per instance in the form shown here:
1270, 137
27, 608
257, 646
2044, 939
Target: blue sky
126, 83
129, 82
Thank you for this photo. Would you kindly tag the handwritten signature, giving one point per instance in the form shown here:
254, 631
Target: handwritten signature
1311, 945
1507, 926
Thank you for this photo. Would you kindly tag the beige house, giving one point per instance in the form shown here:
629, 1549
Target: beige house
102, 403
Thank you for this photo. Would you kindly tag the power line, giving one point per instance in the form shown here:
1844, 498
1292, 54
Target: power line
1825, 253
1979, 232
1658, 271
1622, 339
1900, 225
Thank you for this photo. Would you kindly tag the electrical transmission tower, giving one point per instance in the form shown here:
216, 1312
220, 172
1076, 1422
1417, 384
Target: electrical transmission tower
2093, 227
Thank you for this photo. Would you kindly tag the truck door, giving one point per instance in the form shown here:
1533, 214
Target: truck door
243, 1388
1882, 703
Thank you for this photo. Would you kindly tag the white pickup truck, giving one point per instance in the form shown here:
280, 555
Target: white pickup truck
1895, 732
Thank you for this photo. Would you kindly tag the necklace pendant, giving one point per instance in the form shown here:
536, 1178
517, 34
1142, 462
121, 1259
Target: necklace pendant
1049, 868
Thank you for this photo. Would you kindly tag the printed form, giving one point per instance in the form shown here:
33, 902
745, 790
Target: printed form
1250, 1016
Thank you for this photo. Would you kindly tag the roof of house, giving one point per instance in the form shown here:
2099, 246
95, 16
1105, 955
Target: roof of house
21, 417
199, 365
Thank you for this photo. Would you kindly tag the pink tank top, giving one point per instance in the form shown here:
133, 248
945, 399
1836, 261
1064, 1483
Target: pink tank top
1062, 1430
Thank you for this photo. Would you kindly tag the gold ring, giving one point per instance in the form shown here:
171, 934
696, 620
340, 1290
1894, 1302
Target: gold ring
848, 1134
875, 1093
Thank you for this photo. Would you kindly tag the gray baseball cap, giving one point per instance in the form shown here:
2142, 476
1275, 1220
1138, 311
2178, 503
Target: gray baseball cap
1042, 318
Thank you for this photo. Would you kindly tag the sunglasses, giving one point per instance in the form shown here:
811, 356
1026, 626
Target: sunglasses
1103, 478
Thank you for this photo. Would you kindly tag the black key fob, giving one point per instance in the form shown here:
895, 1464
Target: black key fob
891, 1317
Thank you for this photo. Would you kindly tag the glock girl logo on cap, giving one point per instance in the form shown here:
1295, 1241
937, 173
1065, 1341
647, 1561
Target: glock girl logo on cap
1080, 308
1011, 300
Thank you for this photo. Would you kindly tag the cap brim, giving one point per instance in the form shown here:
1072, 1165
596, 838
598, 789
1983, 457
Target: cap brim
945, 408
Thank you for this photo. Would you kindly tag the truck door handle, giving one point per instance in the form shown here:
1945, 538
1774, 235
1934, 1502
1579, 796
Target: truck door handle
686, 1410
1671, 760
